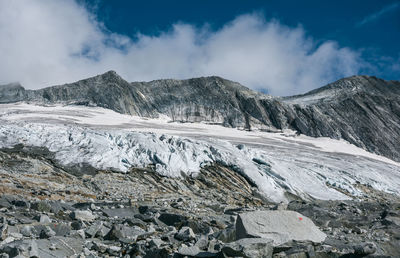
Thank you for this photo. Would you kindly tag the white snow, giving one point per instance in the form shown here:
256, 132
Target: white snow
275, 162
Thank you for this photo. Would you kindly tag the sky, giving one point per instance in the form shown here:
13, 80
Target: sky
277, 47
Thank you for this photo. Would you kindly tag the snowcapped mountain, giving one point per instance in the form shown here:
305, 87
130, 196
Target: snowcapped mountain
362, 110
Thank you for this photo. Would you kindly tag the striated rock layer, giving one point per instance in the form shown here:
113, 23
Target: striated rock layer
363, 110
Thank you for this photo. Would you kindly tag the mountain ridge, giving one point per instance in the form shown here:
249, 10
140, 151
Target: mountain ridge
365, 110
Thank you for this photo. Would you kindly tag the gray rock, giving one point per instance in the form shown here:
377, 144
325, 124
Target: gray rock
114, 250
76, 225
392, 220
171, 219
280, 226
185, 234
66, 247
121, 232
41, 206
44, 219
226, 235
94, 228
156, 242
26, 231
249, 248
194, 251
3, 231
365, 249
136, 222
83, 215
61, 229
47, 232
120, 212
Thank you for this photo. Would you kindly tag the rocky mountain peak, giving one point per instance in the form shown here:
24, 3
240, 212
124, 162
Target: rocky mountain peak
11, 92
354, 108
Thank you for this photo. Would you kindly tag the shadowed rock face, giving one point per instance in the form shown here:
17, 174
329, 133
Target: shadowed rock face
360, 109
12, 92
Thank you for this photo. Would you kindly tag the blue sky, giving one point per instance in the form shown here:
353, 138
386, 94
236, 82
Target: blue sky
367, 24
278, 47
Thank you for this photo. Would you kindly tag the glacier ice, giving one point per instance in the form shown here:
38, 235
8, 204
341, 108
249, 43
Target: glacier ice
275, 163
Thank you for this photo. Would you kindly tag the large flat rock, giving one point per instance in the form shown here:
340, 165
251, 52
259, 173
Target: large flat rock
280, 226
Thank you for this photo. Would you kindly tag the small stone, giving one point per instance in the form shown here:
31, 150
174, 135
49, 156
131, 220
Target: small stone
26, 231
76, 225
83, 215
185, 234
156, 242
44, 219
249, 247
365, 249
113, 250
47, 232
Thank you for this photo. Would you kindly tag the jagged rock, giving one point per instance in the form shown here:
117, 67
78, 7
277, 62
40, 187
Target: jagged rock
3, 231
226, 235
94, 228
66, 247
136, 222
156, 242
26, 231
249, 248
280, 226
392, 220
365, 249
114, 250
185, 234
172, 219
44, 219
120, 232
47, 232
41, 206
76, 225
61, 229
158, 253
83, 215
120, 213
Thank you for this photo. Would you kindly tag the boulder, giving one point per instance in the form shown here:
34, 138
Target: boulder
365, 249
249, 248
44, 219
280, 225
120, 212
83, 215
65, 247
185, 234
171, 219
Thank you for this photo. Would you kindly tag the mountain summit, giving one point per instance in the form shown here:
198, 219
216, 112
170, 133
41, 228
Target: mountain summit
363, 110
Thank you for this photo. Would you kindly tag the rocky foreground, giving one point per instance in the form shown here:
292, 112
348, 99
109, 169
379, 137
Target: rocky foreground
46, 211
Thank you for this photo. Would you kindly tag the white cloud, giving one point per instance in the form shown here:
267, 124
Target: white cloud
46, 42
377, 15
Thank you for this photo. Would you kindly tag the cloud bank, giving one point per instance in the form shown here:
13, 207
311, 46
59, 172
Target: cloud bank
46, 42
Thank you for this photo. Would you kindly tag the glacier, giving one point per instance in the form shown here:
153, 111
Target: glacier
277, 163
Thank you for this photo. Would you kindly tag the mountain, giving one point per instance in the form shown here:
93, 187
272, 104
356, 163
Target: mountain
362, 110
80, 175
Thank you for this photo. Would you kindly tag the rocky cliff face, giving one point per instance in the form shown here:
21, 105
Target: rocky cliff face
360, 109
